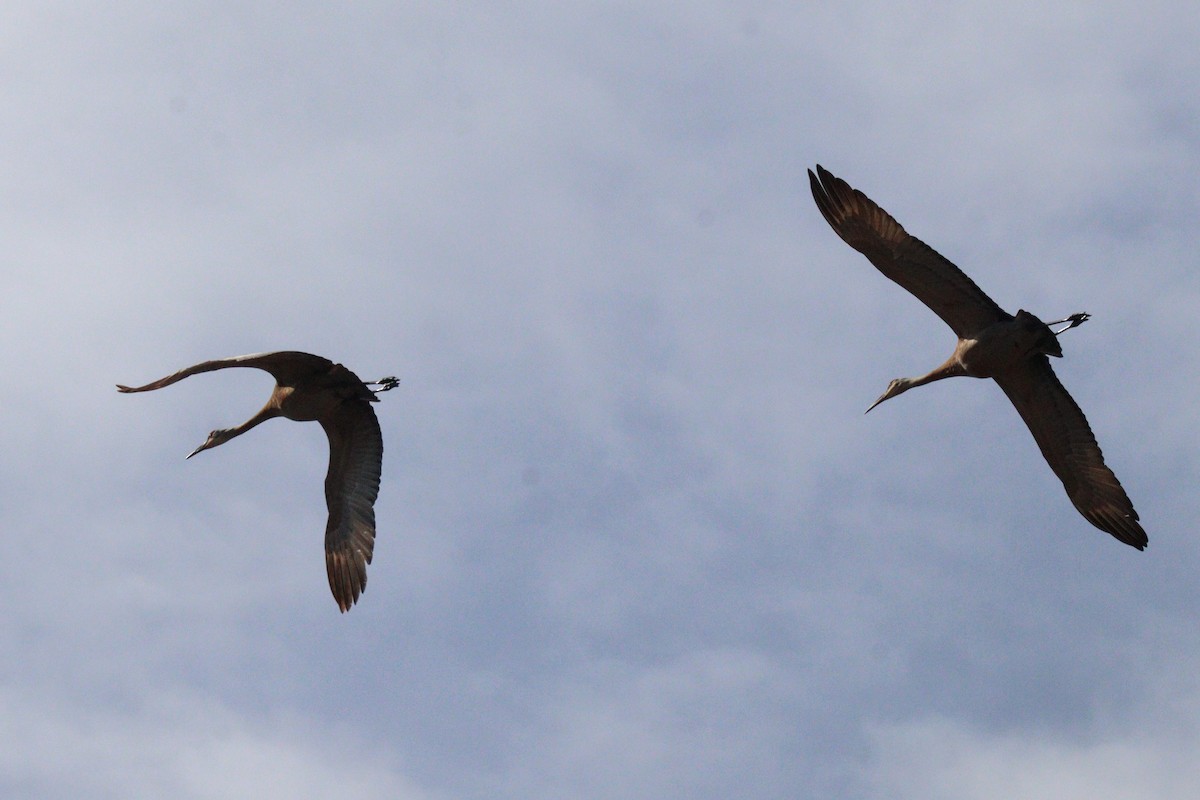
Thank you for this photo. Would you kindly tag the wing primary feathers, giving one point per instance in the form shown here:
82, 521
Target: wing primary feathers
908, 261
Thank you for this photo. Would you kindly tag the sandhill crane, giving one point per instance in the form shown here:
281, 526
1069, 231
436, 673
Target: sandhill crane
311, 388
991, 344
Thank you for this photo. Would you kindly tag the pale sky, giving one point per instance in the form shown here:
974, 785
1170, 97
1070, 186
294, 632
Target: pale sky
636, 539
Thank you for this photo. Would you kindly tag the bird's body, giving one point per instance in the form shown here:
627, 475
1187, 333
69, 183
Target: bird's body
309, 388
1012, 350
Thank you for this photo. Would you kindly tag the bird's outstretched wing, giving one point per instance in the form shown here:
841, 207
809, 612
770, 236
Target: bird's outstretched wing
351, 486
1067, 442
286, 366
908, 261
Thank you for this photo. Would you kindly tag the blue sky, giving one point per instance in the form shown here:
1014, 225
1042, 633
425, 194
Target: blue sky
636, 538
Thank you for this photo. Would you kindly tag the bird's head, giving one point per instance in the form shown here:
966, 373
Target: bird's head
897, 386
217, 437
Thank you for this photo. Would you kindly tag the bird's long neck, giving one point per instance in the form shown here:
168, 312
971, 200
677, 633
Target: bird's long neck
221, 436
267, 412
953, 368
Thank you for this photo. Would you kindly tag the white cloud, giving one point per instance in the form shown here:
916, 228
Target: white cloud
942, 759
166, 745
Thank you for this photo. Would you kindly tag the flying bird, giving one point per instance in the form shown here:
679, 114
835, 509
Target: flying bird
310, 388
991, 344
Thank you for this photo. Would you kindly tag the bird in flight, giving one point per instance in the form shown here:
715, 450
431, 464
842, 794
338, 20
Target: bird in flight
991, 344
310, 388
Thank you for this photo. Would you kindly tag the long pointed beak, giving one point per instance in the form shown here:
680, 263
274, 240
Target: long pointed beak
197, 450
894, 388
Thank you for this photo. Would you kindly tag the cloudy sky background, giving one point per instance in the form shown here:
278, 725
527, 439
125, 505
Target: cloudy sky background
636, 538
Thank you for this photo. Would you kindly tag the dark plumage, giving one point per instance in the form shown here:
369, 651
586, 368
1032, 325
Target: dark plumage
311, 388
1012, 350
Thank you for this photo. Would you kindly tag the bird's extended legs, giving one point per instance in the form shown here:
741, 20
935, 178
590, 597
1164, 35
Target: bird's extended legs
1074, 319
385, 384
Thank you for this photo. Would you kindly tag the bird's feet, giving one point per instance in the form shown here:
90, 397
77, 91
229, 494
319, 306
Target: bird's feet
385, 384
1073, 320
